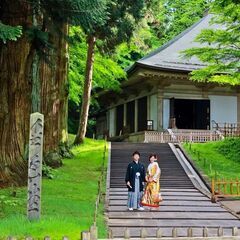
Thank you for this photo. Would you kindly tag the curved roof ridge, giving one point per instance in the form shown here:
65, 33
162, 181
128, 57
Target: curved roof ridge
170, 42
170, 52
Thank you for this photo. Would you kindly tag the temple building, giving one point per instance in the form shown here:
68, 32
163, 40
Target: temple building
158, 93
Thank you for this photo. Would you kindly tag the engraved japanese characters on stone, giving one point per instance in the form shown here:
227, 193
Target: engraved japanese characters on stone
35, 166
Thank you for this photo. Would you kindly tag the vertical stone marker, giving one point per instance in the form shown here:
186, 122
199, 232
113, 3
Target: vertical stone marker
35, 166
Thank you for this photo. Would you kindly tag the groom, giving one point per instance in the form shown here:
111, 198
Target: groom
135, 178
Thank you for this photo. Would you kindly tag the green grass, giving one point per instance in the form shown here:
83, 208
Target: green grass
68, 200
217, 159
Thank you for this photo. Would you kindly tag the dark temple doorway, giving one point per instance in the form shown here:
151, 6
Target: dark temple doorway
142, 114
191, 114
131, 116
119, 122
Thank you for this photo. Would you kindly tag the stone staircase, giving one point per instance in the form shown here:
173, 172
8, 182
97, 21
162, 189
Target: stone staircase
183, 206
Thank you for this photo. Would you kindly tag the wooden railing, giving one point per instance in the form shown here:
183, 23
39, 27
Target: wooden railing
181, 136
92, 235
227, 129
175, 235
225, 188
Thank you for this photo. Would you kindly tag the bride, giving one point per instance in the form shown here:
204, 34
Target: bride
152, 196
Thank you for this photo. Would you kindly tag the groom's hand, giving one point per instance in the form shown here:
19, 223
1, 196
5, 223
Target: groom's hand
128, 184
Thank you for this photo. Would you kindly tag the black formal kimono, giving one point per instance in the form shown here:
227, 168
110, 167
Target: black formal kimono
136, 176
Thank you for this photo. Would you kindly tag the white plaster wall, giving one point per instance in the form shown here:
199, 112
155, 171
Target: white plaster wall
166, 113
153, 110
223, 109
112, 120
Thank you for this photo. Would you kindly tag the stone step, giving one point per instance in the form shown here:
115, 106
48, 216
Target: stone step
183, 205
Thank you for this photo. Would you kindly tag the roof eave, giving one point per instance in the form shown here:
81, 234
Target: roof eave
134, 67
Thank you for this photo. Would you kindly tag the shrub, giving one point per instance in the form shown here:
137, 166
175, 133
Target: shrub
230, 148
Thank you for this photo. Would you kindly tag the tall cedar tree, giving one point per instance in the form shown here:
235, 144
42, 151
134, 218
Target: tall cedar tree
122, 18
221, 47
33, 74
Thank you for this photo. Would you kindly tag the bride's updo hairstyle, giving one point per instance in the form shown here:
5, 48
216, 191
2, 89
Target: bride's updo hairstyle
152, 155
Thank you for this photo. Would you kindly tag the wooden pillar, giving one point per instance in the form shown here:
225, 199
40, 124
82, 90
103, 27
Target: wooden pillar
124, 114
136, 116
112, 122
115, 122
160, 109
238, 107
148, 108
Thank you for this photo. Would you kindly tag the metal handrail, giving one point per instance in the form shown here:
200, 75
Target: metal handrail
214, 122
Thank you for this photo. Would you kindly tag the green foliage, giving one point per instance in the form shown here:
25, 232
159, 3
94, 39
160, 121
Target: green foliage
163, 20
9, 32
39, 39
222, 46
216, 159
88, 14
106, 73
133, 38
230, 148
47, 171
50, 15
73, 119
177, 15
7, 201
121, 19
68, 200
126, 54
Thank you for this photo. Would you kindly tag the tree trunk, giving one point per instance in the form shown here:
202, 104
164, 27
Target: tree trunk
15, 96
54, 92
29, 84
86, 92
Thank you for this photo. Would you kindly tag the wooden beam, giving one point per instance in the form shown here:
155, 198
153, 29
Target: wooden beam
238, 107
136, 116
160, 109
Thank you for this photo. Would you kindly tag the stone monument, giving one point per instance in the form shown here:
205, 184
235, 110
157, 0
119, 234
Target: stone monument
35, 166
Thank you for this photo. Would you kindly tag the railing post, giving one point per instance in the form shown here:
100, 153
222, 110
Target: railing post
190, 232
126, 233
205, 232
85, 235
159, 233
220, 232
174, 232
93, 232
213, 198
235, 231
110, 233
145, 137
237, 185
143, 233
